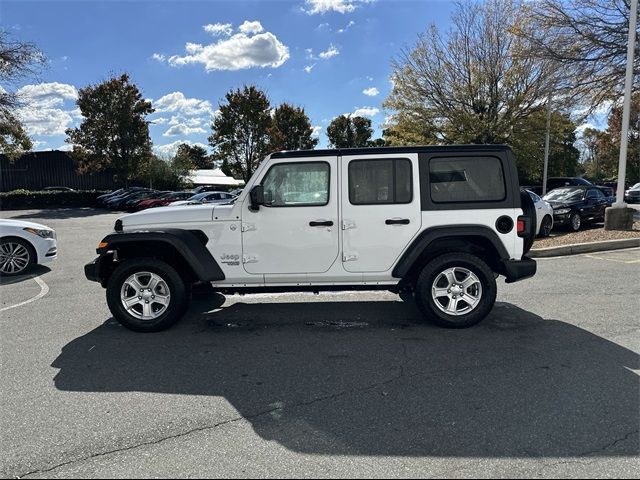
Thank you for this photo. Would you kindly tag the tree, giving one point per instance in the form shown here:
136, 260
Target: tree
115, 131
587, 39
197, 155
291, 129
240, 138
18, 60
470, 86
346, 131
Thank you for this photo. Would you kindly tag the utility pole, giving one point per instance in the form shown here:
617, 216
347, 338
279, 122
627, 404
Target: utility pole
546, 146
619, 217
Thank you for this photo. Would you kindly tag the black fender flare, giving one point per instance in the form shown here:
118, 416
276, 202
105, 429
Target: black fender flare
191, 246
428, 236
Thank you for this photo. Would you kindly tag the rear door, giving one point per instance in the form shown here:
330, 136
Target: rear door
380, 209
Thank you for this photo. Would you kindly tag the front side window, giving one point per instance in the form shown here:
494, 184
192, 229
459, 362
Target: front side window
466, 179
297, 184
380, 181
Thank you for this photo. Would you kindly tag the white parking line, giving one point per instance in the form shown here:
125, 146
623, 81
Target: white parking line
44, 289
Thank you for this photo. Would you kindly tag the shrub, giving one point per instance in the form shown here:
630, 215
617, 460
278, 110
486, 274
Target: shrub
22, 199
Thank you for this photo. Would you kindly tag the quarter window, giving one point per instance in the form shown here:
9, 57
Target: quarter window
466, 179
297, 184
380, 181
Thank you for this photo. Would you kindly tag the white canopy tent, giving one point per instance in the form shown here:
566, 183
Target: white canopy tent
213, 177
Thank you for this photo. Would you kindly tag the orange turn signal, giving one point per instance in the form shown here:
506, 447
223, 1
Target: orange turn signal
102, 245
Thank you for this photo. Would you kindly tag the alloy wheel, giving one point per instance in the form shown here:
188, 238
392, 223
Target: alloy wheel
456, 291
145, 295
14, 258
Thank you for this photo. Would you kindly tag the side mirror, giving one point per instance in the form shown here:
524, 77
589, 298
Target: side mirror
257, 197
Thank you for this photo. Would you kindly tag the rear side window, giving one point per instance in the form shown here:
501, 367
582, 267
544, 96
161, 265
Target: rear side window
380, 181
466, 179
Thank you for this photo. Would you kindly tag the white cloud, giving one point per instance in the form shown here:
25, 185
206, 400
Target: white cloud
365, 112
159, 57
324, 6
309, 54
159, 121
178, 103
316, 131
65, 147
370, 79
332, 51
308, 68
349, 25
323, 26
182, 130
217, 29
43, 111
371, 92
251, 27
246, 49
170, 149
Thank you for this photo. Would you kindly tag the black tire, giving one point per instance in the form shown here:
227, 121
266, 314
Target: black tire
177, 292
432, 271
11, 243
575, 222
546, 226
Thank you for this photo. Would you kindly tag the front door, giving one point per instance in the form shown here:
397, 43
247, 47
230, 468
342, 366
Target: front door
380, 209
297, 232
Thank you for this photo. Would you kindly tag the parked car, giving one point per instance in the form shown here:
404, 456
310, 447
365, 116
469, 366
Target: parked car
118, 201
162, 200
205, 197
544, 215
23, 245
576, 205
609, 192
557, 182
103, 199
633, 194
439, 223
129, 204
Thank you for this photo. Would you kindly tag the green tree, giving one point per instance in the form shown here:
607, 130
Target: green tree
240, 137
114, 132
18, 60
198, 156
291, 129
346, 131
470, 85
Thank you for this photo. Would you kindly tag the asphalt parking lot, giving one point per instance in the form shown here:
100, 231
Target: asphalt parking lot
320, 386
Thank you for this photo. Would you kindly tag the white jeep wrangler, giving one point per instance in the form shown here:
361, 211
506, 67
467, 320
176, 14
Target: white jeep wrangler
438, 222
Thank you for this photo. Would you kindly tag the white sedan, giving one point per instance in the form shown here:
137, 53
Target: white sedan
24, 244
544, 215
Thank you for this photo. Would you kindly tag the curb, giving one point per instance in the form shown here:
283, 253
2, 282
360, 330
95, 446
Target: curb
590, 247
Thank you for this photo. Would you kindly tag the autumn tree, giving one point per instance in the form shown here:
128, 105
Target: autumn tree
240, 137
291, 129
18, 60
587, 39
470, 85
196, 155
346, 131
114, 132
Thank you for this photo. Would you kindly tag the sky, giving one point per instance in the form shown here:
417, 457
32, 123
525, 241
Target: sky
329, 56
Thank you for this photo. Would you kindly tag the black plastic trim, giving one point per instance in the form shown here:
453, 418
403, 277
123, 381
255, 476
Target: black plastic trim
390, 150
422, 242
516, 270
186, 243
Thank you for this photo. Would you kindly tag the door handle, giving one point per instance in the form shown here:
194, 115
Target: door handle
397, 221
321, 223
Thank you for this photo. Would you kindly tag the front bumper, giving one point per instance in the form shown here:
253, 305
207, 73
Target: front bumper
562, 219
516, 270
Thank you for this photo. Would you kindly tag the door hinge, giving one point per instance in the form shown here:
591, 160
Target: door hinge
348, 224
350, 257
249, 259
249, 227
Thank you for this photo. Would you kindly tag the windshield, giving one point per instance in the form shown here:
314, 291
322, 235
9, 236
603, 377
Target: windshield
564, 195
198, 196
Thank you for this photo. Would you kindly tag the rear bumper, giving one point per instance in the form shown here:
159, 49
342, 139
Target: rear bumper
519, 269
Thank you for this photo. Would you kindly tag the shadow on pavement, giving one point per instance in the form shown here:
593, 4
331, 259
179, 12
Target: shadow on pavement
36, 271
346, 378
62, 213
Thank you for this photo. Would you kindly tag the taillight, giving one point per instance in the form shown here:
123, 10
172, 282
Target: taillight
522, 226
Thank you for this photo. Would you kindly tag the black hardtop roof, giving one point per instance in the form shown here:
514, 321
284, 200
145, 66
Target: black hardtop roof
387, 150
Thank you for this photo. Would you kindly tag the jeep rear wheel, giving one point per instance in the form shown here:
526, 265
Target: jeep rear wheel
456, 290
146, 295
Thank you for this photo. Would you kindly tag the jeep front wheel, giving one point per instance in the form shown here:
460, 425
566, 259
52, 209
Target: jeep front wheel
456, 290
146, 295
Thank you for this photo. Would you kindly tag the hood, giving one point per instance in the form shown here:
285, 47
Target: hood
556, 205
22, 224
169, 216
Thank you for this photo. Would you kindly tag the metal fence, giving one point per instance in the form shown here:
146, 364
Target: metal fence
37, 170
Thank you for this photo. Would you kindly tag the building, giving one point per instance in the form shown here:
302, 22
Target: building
213, 178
